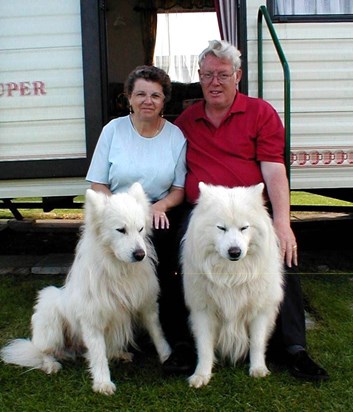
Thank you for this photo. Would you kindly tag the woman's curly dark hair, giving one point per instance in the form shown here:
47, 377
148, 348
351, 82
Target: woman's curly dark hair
149, 73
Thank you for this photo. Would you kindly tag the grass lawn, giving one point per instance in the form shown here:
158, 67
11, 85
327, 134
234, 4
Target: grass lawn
297, 198
141, 386
305, 198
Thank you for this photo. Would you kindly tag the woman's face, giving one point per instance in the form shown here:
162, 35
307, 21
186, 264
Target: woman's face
147, 99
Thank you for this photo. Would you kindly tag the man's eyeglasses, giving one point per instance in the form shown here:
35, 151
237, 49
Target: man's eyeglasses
209, 76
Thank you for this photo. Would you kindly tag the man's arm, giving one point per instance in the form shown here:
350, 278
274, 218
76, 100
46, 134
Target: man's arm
276, 181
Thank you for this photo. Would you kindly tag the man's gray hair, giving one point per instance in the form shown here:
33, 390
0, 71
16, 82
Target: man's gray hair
222, 50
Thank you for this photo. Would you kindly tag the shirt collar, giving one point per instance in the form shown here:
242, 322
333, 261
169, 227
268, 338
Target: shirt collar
239, 104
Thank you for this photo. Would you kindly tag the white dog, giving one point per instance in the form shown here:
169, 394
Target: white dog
232, 278
111, 285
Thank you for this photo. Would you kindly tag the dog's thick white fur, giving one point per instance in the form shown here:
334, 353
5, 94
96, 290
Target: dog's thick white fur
233, 278
111, 286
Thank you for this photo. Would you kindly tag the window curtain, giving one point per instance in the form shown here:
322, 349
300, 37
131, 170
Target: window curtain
294, 7
148, 12
178, 56
227, 19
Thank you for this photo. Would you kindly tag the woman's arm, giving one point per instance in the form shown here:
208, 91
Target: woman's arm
159, 209
100, 187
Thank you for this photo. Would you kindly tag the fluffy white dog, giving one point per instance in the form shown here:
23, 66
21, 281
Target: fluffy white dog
111, 285
232, 278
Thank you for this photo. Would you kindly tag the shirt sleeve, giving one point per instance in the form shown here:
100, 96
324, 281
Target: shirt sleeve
271, 140
98, 171
180, 169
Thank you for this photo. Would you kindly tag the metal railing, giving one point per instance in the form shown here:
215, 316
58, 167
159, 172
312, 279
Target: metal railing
263, 12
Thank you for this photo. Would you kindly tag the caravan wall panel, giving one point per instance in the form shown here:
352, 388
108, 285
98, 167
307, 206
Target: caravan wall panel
41, 80
320, 59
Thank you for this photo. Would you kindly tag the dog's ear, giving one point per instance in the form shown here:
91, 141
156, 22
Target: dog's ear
95, 203
207, 191
95, 198
208, 194
258, 190
203, 188
136, 190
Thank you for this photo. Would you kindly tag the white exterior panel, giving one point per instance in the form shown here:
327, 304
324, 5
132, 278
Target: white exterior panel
42, 102
22, 188
320, 58
41, 80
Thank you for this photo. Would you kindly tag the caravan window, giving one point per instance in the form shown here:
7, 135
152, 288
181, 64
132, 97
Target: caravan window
180, 39
310, 10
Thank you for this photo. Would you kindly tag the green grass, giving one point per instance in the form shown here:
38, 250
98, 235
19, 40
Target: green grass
297, 198
141, 386
305, 198
38, 214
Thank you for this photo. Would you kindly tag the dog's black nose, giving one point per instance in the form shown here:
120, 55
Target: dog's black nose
139, 254
234, 253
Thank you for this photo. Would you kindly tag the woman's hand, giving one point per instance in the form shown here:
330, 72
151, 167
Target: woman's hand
159, 209
159, 217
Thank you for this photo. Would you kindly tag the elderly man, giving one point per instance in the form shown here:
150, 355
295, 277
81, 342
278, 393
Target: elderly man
236, 140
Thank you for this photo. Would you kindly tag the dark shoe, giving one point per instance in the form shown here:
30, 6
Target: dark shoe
182, 360
303, 367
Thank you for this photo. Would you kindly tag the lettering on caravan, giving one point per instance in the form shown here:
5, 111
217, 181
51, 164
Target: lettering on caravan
13, 89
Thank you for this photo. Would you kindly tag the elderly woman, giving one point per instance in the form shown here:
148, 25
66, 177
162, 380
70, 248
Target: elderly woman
144, 147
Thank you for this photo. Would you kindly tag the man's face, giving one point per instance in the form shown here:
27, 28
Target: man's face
219, 81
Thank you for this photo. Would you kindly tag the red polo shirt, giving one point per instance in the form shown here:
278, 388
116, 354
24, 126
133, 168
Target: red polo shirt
230, 155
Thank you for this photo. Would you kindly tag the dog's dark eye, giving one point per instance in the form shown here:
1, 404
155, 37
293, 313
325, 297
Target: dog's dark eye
141, 230
244, 228
222, 228
121, 230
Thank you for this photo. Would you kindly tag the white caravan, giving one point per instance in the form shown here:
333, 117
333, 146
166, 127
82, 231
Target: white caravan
63, 65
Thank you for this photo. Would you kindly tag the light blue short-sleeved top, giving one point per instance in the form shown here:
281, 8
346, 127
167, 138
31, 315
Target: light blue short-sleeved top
123, 157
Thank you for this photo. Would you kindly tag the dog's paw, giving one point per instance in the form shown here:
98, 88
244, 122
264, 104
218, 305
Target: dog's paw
197, 381
50, 365
105, 388
259, 372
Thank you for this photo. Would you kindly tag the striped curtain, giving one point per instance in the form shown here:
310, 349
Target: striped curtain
295, 7
227, 18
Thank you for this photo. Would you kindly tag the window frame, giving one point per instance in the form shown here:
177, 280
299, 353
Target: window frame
306, 18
